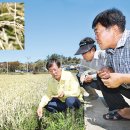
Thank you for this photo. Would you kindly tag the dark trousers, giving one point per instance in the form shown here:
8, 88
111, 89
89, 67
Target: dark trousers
113, 97
56, 105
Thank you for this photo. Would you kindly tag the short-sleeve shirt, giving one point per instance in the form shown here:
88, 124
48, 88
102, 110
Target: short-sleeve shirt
119, 58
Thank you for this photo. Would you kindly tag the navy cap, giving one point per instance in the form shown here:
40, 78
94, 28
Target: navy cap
84, 47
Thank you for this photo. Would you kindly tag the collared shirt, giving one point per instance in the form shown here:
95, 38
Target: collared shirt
119, 58
91, 67
68, 83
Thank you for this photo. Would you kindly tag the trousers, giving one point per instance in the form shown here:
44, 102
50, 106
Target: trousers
113, 97
56, 105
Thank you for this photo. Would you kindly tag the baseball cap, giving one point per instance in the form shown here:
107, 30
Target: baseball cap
85, 45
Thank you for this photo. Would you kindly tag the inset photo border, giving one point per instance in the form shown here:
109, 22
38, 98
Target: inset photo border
12, 26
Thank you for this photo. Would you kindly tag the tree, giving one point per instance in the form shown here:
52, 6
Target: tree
55, 56
64, 60
39, 66
13, 66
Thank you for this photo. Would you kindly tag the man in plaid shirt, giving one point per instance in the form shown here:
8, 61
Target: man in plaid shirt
111, 35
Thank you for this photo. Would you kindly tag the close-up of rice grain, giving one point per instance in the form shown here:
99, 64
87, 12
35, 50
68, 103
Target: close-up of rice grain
11, 26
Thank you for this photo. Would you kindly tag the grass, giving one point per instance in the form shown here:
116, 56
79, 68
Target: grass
55, 121
71, 120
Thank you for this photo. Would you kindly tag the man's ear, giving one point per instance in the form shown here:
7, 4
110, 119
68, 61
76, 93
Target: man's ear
115, 28
116, 31
93, 49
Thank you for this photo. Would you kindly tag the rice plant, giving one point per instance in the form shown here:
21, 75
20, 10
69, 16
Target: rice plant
63, 121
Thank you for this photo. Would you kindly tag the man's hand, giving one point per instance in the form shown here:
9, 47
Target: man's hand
88, 79
60, 95
39, 111
104, 73
82, 78
114, 81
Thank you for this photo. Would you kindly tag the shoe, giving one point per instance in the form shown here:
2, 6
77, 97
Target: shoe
115, 116
90, 97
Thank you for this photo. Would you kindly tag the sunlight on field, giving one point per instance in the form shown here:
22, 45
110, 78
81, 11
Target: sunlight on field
18, 95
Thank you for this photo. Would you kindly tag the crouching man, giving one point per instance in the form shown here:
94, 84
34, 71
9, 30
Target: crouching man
91, 62
62, 92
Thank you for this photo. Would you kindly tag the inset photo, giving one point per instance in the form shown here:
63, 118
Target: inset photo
12, 26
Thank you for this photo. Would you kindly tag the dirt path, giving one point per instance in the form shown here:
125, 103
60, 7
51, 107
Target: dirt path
94, 120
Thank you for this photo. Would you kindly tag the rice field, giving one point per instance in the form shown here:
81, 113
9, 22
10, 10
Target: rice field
19, 99
19, 94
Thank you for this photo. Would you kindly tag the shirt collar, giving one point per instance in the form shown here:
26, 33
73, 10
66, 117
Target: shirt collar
122, 41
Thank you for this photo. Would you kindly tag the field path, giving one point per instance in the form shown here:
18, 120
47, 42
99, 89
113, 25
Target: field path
94, 120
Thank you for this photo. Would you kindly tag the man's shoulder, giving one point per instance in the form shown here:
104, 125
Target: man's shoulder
99, 54
128, 38
66, 75
66, 72
127, 41
50, 79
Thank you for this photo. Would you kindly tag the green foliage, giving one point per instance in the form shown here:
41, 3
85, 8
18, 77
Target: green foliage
64, 60
55, 56
64, 121
55, 121
38, 66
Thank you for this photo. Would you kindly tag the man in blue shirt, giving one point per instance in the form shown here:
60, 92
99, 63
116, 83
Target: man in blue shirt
111, 35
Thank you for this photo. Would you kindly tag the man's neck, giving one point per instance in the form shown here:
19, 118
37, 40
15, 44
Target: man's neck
58, 79
117, 38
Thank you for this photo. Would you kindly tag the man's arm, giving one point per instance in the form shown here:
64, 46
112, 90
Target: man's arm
88, 76
116, 79
44, 101
72, 88
126, 78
